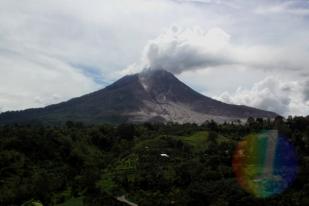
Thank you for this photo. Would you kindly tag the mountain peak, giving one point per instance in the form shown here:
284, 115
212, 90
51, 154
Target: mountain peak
150, 71
150, 95
152, 79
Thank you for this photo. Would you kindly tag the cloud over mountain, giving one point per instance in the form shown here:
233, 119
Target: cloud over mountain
94, 42
178, 50
272, 93
183, 49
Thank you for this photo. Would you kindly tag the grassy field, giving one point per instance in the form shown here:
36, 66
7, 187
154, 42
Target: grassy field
197, 140
73, 202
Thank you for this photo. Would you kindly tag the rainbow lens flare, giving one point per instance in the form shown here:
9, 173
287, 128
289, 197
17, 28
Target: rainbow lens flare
265, 164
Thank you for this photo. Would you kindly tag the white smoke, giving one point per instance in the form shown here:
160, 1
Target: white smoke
178, 50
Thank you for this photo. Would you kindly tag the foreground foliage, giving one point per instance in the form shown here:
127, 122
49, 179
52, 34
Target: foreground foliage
149, 164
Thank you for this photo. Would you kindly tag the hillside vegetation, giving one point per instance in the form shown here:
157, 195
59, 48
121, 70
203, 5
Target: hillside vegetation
147, 164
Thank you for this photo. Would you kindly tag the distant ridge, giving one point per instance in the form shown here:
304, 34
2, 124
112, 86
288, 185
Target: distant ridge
149, 96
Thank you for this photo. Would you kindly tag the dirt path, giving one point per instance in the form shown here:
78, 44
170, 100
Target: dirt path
124, 200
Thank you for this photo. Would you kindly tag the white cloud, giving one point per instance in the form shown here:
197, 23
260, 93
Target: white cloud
306, 91
273, 94
298, 7
98, 39
184, 49
179, 50
37, 81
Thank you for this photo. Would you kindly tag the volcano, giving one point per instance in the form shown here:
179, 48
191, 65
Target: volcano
149, 96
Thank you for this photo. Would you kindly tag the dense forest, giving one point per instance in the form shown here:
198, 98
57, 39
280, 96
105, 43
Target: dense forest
145, 164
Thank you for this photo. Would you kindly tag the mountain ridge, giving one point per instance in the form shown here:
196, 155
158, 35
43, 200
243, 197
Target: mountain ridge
152, 95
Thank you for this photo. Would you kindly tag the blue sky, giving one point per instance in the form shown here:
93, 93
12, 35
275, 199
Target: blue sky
243, 52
